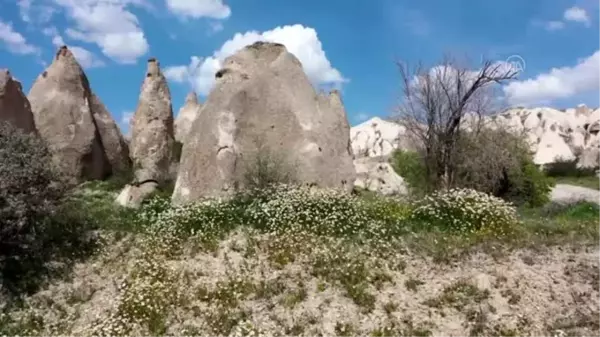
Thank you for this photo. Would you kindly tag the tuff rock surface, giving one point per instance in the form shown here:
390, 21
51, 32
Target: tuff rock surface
82, 136
377, 175
186, 116
263, 99
14, 105
552, 134
152, 140
115, 145
152, 137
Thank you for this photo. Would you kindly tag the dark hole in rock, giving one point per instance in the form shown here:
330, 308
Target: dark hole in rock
344, 182
148, 74
221, 72
539, 114
320, 150
44, 74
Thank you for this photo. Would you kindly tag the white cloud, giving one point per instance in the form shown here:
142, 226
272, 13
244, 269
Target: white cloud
554, 25
181, 73
38, 14
110, 25
301, 41
86, 58
125, 122
216, 27
577, 14
14, 41
24, 8
558, 83
215, 9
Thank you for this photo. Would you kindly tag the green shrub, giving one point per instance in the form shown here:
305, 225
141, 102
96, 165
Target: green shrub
35, 224
568, 168
411, 167
526, 185
500, 163
466, 211
280, 208
266, 168
496, 162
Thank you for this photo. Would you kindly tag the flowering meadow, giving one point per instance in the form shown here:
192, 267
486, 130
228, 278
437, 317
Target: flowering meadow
291, 260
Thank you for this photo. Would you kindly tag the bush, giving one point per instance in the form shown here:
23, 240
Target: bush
496, 162
280, 209
266, 168
410, 166
466, 211
568, 168
34, 224
499, 162
526, 184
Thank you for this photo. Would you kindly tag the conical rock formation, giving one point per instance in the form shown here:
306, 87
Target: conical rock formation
263, 99
186, 116
63, 108
152, 140
14, 105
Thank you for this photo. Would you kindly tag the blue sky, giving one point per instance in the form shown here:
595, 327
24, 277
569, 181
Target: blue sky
350, 45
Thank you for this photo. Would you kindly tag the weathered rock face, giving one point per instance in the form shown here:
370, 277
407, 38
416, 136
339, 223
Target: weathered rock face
186, 116
552, 134
152, 138
132, 196
262, 98
115, 146
14, 106
555, 135
377, 137
377, 175
61, 103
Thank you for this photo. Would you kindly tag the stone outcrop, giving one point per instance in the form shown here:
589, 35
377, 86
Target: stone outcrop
263, 98
377, 175
133, 195
552, 134
115, 146
67, 115
14, 105
379, 138
152, 140
186, 116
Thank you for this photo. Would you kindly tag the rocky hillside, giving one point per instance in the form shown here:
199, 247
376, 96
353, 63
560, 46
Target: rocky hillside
553, 134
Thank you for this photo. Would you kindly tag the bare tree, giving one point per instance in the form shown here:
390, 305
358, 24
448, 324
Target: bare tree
439, 101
